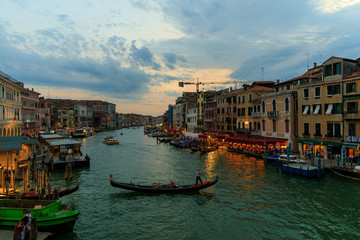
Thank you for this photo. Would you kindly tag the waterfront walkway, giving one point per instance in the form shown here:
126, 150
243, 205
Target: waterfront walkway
9, 234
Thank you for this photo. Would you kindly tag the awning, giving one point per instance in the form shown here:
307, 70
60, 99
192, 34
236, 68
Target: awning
351, 145
329, 109
190, 134
259, 140
14, 143
317, 142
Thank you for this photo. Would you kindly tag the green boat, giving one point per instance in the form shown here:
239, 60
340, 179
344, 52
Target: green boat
50, 215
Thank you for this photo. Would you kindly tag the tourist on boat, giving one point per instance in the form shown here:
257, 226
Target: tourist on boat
198, 178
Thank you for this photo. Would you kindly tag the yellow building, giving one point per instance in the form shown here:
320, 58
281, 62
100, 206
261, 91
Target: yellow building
247, 112
351, 100
321, 108
10, 106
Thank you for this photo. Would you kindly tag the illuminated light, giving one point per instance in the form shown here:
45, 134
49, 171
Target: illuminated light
246, 122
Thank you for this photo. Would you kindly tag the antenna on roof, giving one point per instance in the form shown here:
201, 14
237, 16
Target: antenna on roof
262, 74
307, 54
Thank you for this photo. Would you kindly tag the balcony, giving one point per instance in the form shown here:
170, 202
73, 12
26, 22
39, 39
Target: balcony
273, 114
255, 114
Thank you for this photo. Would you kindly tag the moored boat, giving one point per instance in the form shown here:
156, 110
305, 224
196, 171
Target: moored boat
157, 188
33, 195
347, 172
50, 215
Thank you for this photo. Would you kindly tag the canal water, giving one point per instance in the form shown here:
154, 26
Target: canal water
250, 201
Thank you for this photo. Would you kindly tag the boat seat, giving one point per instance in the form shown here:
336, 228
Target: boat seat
38, 206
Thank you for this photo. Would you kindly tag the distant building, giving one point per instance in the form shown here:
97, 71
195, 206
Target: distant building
30, 111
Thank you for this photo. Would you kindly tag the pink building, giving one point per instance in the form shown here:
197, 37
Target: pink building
30, 111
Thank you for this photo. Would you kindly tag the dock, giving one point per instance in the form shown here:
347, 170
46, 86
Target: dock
303, 170
9, 234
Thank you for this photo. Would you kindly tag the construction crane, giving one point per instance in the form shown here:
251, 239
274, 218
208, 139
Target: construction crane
197, 83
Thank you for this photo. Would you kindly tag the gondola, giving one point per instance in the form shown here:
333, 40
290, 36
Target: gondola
33, 195
156, 188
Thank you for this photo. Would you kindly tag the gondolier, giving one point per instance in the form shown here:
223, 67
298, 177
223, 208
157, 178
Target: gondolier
198, 178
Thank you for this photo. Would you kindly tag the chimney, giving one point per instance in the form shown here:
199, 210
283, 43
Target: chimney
314, 64
277, 81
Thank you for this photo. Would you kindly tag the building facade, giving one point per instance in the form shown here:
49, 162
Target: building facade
10, 106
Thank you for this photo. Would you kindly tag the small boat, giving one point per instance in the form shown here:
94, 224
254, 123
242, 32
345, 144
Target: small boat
33, 195
111, 141
347, 172
51, 215
157, 188
283, 158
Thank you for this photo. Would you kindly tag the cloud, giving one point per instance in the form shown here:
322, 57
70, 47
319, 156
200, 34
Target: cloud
332, 6
143, 56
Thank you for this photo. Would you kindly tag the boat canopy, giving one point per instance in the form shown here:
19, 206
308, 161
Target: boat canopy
190, 134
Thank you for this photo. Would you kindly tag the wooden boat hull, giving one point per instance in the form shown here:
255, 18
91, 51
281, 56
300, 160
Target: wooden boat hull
61, 193
75, 164
111, 143
346, 172
154, 189
50, 215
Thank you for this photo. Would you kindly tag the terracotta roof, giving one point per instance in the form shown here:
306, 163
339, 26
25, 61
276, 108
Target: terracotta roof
354, 74
315, 72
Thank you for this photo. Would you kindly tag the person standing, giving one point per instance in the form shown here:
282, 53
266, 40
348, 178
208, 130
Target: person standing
198, 178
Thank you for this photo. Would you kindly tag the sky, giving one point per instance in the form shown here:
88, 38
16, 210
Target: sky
134, 53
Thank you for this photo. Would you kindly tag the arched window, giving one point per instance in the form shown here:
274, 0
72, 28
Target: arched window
287, 105
263, 107
274, 105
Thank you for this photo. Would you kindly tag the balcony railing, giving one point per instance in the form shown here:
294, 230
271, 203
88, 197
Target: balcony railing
256, 114
273, 114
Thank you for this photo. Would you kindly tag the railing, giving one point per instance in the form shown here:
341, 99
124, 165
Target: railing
256, 114
273, 114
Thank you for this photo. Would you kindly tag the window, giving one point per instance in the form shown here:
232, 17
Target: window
336, 68
352, 107
317, 109
250, 97
274, 126
317, 92
338, 108
306, 129
239, 99
287, 105
243, 99
287, 123
350, 87
274, 105
318, 129
263, 106
333, 89
334, 130
243, 112
332, 69
305, 109
352, 129
263, 125
306, 93
288, 87
327, 70
249, 111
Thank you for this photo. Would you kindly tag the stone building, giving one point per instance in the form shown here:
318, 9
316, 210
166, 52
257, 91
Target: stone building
10, 106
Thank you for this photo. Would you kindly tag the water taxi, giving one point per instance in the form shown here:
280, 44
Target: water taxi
111, 141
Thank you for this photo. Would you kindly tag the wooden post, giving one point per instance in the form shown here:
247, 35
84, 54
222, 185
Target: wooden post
42, 179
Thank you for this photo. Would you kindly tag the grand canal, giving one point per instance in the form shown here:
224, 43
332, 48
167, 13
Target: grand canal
250, 201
